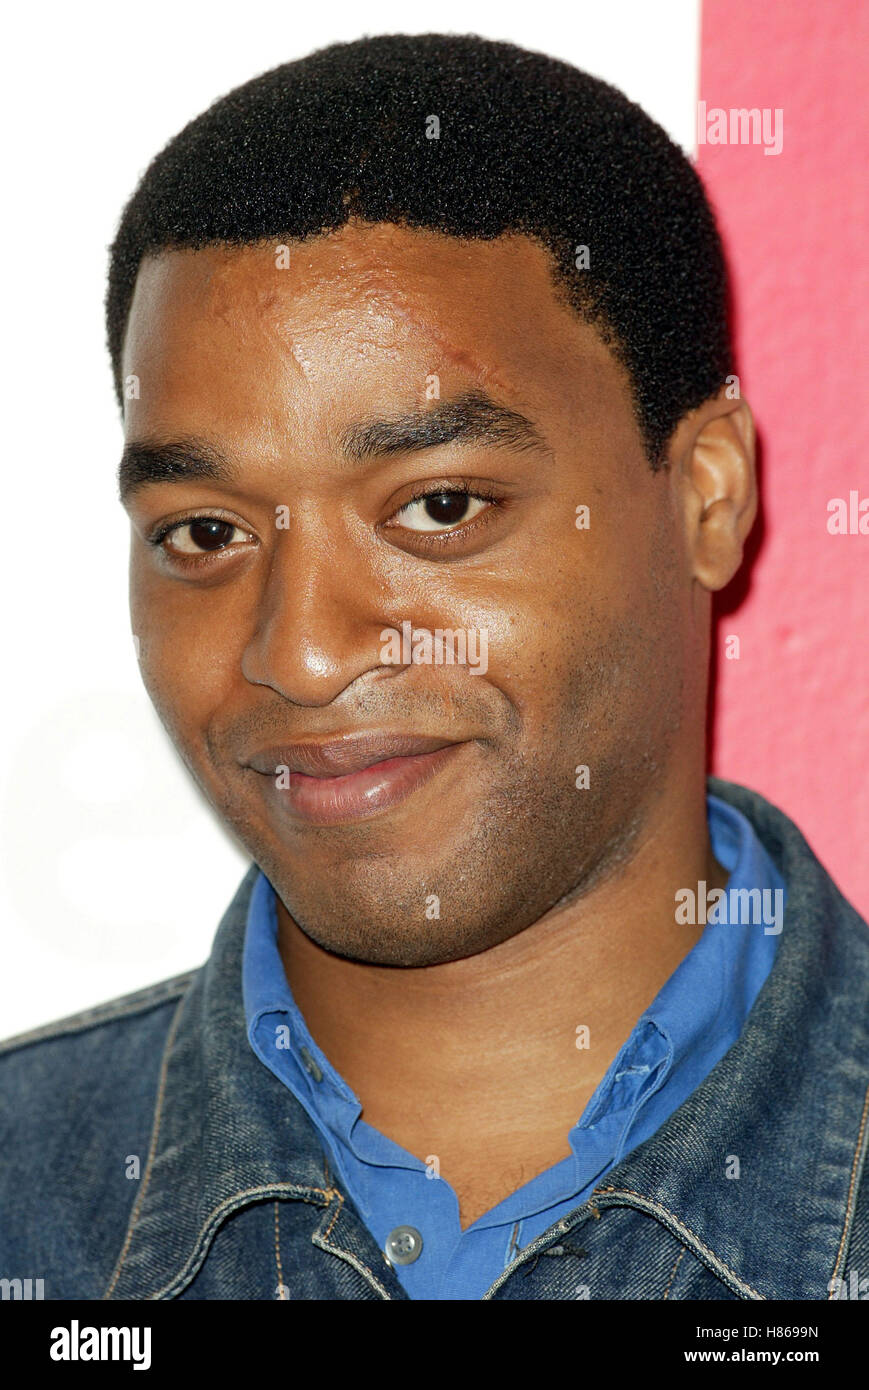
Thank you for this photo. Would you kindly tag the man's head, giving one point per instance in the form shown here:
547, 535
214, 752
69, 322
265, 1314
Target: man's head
357, 281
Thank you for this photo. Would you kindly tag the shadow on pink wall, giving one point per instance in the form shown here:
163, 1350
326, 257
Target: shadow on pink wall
790, 715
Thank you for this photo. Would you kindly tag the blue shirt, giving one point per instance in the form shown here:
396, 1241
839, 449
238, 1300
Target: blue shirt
691, 1024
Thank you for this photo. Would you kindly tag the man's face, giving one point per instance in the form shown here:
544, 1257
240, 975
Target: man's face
264, 632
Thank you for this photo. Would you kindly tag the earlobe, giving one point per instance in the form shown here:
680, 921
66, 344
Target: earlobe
717, 459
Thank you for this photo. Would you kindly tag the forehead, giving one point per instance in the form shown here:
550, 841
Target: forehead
376, 308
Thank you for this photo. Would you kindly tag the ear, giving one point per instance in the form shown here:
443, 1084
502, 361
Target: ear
712, 455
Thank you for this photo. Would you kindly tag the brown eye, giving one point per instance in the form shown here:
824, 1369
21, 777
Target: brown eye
203, 534
440, 509
211, 534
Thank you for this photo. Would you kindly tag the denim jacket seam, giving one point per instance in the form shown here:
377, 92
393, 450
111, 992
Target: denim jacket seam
325, 1244
278, 1266
851, 1204
212, 1223
715, 1263
125, 1007
679, 1258
328, 1232
152, 1151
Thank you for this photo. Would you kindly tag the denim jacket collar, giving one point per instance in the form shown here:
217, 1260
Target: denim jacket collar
789, 1098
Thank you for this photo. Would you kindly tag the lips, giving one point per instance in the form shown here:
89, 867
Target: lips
340, 757
349, 778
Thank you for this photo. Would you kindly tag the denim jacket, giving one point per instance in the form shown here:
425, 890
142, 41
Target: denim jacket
146, 1152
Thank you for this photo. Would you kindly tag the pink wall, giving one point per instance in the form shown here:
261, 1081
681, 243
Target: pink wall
792, 713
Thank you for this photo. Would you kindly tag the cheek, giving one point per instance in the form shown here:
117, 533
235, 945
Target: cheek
188, 649
534, 630
579, 649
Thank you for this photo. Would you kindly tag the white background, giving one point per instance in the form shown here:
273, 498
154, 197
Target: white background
114, 871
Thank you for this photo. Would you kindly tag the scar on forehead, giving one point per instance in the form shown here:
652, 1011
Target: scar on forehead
392, 301
462, 357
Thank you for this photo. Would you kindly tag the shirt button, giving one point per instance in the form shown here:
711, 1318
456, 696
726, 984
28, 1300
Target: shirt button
403, 1245
310, 1065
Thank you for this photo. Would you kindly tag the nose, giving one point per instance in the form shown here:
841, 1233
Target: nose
319, 621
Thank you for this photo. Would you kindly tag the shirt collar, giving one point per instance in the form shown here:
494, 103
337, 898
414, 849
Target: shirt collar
276, 1029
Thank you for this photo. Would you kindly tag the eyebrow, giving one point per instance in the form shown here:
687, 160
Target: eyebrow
178, 460
469, 418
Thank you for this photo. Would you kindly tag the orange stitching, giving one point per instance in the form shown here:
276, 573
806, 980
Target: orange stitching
334, 1192
214, 1221
226, 1208
679, 1259
281, 1293
849, 1212
136, 1212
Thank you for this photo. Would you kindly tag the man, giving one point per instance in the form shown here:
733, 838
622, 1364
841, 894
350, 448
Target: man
433, 463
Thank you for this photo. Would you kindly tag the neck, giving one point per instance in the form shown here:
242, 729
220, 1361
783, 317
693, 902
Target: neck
450, 1056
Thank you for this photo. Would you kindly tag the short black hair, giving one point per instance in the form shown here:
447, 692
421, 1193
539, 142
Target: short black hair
527, 144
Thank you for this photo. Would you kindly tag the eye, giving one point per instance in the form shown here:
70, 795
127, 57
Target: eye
201, 534
440, 510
